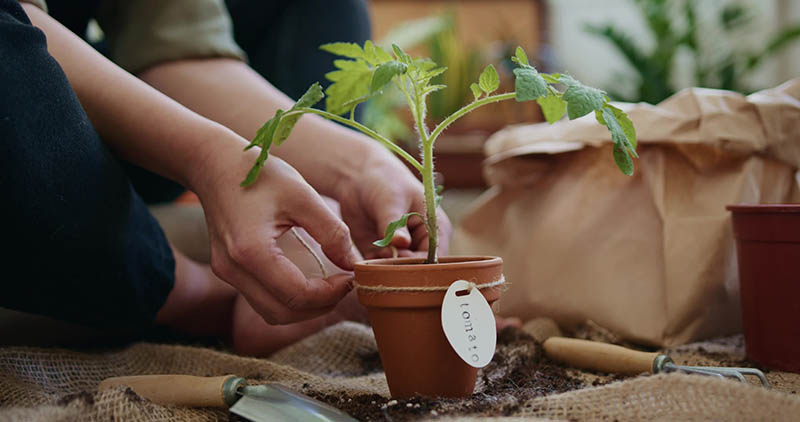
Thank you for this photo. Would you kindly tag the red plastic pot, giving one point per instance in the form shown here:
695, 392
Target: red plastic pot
768, 251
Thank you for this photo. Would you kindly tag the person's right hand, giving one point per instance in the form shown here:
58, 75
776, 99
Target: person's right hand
244, 223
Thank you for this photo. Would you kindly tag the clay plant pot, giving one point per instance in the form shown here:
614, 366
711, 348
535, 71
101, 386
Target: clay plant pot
768, 251
413, 348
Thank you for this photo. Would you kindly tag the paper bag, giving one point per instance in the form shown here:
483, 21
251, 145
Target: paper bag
652, 256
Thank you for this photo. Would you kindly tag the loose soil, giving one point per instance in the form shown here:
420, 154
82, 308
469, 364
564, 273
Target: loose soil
518, 372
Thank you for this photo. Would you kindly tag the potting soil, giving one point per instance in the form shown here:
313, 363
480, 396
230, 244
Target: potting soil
341, 366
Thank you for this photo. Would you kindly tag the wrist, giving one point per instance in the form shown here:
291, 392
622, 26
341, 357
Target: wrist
217, 148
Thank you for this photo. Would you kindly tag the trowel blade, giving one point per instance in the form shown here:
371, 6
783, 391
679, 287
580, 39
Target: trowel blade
270, 402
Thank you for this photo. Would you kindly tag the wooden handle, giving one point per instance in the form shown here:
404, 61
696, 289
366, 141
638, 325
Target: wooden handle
178, 390
599, 356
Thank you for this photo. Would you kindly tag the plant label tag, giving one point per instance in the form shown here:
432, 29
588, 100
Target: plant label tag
468, 323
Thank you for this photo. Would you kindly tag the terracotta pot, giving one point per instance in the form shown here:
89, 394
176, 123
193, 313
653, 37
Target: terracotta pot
414, 351
768, 251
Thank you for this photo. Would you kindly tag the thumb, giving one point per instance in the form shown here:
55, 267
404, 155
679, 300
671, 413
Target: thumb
328, 230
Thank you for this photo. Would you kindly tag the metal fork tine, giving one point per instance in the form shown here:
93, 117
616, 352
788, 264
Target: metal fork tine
737, 373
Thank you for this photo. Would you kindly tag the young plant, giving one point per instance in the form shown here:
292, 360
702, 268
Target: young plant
368, 69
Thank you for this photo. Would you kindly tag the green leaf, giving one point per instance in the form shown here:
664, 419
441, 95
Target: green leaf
553, 107
312, 96
392, 227
520, 57
581, 99
552, 78
401, 55
346, 49
618, 134
432, 88
625, 122
476, 90
529, 85
623, 160
263, 138
351, 81
384, 74
489, 81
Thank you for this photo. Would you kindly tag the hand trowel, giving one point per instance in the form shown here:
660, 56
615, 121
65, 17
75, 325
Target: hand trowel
260, 403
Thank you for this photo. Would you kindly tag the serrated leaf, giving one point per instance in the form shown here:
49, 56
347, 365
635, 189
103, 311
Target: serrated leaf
581, 99
623, 160
432, 88
351, 81
263, 138
428, 74
401, 55
522, 58
618, 135
346, 49
384, 73
489, 81
553, 107
312, 96
529, 85
552, 78
476, 90
393, 227
625, 122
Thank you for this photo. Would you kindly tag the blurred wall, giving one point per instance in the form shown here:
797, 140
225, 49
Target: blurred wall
595, 62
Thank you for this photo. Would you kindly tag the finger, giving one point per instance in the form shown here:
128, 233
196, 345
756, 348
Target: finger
327, 229
262, 300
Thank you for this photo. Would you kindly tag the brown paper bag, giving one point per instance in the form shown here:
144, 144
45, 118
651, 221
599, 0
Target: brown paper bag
650, 257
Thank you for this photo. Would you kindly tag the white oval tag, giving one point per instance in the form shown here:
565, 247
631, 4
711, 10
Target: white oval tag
468, 323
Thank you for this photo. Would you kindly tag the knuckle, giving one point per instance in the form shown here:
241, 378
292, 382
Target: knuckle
243, 251
339, 234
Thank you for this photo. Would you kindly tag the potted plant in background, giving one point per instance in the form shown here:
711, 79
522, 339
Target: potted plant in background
428, 343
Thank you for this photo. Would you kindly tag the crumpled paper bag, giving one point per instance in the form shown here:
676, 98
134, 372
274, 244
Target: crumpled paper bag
650, 257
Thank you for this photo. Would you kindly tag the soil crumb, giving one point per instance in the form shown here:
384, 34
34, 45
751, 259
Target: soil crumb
519, 371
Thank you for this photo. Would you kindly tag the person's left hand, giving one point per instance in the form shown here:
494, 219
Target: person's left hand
383, 191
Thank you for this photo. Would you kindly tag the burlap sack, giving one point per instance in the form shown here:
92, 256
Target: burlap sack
339, 366
651, 257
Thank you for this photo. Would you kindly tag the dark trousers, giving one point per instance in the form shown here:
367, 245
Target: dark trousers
79, 244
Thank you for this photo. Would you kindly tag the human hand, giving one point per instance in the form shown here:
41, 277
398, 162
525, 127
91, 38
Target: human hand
381, 192
244, 224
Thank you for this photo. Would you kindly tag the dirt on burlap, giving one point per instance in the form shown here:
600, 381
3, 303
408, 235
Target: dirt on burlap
340, 366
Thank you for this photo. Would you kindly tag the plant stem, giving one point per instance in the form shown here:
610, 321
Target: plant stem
430, 201
367, 131
466, 109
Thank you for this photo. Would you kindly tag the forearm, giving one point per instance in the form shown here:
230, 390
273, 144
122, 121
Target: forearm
137, 122
231, 93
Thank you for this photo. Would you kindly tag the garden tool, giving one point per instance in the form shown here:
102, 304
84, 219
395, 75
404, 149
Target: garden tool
611, 358
260, 403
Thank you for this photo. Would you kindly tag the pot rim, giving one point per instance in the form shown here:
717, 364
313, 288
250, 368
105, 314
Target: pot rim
417, 264
763, 208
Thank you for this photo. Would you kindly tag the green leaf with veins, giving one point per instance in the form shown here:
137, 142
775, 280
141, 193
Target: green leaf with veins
552, 78
623, 160
476, 90
263, 139
351, 81
529, 84
520, 57
622, 119
346, 49
384, 73
553, 107
618, 134
581, 99
312, 96
401, 55
393, 227
489, 81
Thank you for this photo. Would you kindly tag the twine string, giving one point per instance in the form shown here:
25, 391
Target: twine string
382, 288
311, 251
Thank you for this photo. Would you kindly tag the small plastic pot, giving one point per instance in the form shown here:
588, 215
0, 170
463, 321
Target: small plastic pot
768, 252
416, 356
